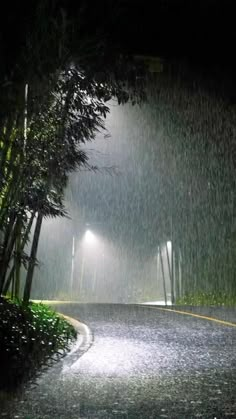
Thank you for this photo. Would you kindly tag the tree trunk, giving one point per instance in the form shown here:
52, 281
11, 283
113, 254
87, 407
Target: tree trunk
22, 246
34, 248
8, 281
7, 252
17, 262
6, 143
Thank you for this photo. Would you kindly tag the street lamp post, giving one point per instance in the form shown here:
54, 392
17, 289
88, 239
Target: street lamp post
163, 276
89, 239
158, 266
170, 262
72, 266
82, 272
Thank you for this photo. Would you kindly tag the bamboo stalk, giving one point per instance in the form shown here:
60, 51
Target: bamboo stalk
23, 243
34, 248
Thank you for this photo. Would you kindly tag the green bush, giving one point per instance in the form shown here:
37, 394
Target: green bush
208, 299
30, 337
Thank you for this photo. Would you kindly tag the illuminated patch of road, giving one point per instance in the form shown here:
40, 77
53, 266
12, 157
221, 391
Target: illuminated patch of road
113, 357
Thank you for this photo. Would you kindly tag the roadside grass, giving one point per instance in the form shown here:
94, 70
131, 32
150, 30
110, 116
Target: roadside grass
31, 338
208, 299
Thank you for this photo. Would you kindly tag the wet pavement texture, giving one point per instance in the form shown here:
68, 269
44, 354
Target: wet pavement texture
144, 363
222, 313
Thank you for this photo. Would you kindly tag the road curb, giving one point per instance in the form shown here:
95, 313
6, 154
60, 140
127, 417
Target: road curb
83, 342
84, 335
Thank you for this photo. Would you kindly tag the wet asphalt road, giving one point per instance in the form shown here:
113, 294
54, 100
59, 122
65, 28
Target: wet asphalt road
144, 363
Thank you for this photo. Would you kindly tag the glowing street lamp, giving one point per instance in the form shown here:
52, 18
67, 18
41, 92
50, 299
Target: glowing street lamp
89, 242
90, 237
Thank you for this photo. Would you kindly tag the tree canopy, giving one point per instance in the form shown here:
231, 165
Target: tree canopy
56, 79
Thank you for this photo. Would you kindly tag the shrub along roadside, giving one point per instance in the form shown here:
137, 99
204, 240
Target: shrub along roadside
30, 337
208, 299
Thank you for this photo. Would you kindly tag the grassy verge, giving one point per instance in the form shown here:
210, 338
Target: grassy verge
30, 338
208, 299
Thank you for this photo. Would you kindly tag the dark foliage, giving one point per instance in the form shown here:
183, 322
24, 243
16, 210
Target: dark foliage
55, 81
30, 338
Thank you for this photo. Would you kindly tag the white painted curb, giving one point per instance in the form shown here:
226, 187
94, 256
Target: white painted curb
83, 342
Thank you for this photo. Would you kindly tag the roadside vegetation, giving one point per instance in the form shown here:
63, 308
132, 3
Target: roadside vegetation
32, 337
50, 106
55, 82
208, 299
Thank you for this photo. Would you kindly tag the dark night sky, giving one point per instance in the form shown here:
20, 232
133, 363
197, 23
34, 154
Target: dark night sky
185, 28
200, 30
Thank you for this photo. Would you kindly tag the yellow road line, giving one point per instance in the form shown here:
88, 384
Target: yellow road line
200, 316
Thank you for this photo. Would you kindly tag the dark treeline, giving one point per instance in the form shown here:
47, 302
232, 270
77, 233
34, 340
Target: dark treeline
197, 108
61, 62
176, 159
58, 71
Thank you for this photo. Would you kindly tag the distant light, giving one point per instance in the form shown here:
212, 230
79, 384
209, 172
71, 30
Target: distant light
169, 244
89, 237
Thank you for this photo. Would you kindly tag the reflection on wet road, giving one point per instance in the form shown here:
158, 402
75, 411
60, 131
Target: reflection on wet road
144, 363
